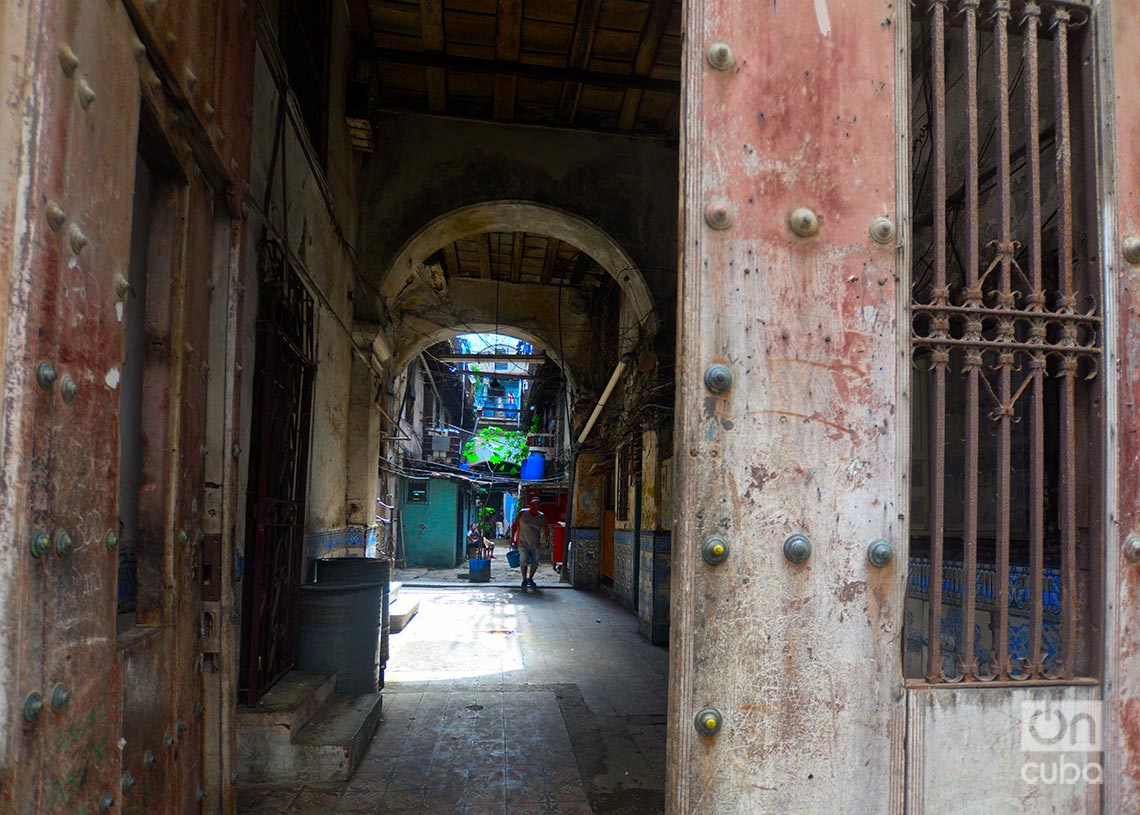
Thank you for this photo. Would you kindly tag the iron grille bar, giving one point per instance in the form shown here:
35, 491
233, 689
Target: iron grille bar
992, 331
940, 357
973, 332
1031, 19
1069, 362
1005, 332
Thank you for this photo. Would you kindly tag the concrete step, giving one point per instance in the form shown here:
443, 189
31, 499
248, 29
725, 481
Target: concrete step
288, 706
393, 591
401, 612
335, 741
328, 748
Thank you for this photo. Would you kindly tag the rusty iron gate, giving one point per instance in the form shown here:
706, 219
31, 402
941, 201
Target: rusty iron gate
278, 472
1007, 333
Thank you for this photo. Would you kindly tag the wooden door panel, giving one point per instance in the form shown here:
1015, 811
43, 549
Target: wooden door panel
607, 564
800, 661
1119, 28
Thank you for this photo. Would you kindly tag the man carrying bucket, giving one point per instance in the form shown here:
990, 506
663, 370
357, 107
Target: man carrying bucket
526, 531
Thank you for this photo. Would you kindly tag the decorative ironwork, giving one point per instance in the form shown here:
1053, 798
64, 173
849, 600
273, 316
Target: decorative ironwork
1005, 327
278, 471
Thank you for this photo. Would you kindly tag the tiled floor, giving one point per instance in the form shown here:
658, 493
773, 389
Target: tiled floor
505, 702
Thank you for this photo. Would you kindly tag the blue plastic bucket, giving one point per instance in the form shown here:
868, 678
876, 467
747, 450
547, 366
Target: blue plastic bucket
479, 570
513, 558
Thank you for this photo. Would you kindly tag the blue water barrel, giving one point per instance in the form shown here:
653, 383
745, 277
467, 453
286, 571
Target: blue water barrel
534, 468
340, 632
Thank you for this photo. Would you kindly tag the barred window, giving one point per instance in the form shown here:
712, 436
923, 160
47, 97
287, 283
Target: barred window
1007, 448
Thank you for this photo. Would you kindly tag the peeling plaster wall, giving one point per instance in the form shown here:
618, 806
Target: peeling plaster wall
312, 227
364, 430
427, 166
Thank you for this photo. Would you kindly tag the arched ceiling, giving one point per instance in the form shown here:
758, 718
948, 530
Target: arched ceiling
519, 257
493, 237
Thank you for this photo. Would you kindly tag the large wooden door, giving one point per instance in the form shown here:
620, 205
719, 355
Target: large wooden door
104, 653
786, 689
896, 443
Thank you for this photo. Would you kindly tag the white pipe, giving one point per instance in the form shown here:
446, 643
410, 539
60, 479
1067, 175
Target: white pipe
601, 402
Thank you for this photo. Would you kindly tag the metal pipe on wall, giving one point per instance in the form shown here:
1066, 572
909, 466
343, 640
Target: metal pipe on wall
602, 401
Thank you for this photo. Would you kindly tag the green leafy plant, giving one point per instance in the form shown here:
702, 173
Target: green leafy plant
484, 519
497, 447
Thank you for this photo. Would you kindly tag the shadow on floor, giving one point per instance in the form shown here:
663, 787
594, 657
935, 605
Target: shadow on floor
503, 702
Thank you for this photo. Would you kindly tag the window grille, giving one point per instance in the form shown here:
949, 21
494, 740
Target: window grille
1004, 581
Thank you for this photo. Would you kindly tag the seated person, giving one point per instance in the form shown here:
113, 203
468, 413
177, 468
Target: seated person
476, 545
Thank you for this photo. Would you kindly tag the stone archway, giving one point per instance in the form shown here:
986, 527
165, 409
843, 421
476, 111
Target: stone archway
513, 216
410, 350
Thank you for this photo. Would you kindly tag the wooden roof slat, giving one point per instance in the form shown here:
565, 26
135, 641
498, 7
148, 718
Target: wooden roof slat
547, 38
552, 247
618, 45
624, 15
484, 245
517, 256
461, 26
403, 78
468, 51
584, 28
431, 16
572, 75
470, 86
581, 266
399, 19
604, 100
508, 37
659, 14
474, 6
554, 11
397, 42
549, 62
451, 261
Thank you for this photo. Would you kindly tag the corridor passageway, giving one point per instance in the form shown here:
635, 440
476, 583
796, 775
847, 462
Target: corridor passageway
500, 701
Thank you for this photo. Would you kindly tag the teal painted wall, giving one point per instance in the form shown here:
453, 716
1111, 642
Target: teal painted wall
433, 532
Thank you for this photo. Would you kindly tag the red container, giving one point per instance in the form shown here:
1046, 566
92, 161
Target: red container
558, 543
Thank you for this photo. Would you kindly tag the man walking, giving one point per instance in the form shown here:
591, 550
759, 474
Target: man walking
527, 530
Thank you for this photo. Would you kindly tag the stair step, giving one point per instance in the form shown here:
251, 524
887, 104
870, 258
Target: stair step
327, 749
286, 707
393, 591
401, 612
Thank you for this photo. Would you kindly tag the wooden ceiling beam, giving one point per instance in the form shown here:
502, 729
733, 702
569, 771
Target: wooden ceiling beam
431, 21
472, 65
451, 261
483, 242
552, 246
580, 267
580, 46
521, 359
360, 21
651, 37
517, 256
508, 38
